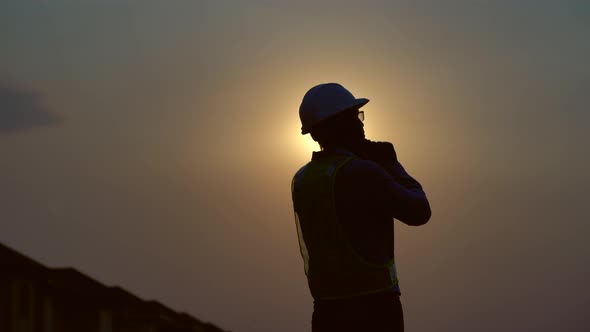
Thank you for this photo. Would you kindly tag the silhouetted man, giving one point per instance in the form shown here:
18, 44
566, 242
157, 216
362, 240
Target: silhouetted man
345, 200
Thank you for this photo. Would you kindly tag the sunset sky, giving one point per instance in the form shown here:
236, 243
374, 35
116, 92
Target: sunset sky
151, 145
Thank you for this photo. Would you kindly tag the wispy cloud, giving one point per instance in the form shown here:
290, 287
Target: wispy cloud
22, 109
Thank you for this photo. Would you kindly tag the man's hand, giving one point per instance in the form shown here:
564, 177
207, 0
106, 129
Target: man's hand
382, 153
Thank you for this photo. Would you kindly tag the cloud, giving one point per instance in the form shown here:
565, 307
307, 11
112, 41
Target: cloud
22, 109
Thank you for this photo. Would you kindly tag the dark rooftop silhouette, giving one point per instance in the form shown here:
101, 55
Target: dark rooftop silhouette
34, 297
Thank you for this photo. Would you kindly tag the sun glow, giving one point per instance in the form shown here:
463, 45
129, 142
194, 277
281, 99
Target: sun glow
298, 147
308, 144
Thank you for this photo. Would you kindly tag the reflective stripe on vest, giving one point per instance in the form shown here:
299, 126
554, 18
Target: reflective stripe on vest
333, 268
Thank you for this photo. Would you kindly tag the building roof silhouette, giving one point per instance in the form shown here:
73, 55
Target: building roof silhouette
70, 291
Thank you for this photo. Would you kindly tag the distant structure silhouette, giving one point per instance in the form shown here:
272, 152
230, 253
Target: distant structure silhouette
35, 298
345, 200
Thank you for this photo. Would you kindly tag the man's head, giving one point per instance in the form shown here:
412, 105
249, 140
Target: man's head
331, 114
342, 130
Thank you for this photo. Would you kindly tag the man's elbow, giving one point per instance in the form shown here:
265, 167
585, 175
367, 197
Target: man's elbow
421, 216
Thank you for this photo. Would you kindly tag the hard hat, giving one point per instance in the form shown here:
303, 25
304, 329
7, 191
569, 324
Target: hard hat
324, 101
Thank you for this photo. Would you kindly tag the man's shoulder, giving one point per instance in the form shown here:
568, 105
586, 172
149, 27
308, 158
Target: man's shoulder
298, 176
362, 172
301, 170
358, 166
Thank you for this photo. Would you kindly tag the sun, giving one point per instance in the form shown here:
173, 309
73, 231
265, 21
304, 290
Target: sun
296, 147
308, 144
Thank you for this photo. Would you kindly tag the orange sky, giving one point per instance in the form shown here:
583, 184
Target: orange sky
151, 145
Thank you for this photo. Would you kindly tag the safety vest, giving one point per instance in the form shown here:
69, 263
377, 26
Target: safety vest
332, 266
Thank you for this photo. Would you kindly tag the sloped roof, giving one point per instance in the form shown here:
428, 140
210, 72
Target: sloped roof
71, 282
